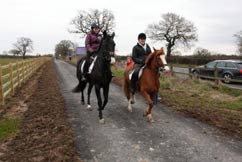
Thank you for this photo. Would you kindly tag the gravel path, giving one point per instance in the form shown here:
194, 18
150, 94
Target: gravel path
127, 137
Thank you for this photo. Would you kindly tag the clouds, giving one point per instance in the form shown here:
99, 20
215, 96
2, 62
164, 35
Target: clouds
46, 22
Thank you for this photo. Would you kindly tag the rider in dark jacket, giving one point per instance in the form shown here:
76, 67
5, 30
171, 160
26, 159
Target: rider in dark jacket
92, 43
139, 54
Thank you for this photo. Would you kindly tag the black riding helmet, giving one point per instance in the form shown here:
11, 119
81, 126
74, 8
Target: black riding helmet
94, 25
141, 36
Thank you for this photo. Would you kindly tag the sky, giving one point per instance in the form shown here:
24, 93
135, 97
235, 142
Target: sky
47, 22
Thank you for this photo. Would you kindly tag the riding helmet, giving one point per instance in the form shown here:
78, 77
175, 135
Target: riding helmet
94, 25
142, 36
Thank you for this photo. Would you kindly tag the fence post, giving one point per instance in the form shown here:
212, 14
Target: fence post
24, 75
18, 78
172, 73
1, 86
190, 72
11, 77
21, 73
216, 76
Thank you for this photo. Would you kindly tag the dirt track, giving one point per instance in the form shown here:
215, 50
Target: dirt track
45, 133
128, 137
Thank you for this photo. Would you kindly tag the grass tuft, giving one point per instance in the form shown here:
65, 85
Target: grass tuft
8, 127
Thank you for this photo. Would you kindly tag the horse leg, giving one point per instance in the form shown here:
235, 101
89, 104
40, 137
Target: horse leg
132, 98
147, 111
105, 94
128, 94
82, 99
89, 107
99, 100
130, 101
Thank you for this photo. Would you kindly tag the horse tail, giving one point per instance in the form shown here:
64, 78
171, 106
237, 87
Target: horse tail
126, 86
78, 69
80, 87
82, 84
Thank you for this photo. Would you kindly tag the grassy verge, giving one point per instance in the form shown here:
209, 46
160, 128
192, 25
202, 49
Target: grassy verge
4, 61
8, 127
220, 106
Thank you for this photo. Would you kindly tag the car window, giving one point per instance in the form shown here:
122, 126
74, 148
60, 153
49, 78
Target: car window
239, 65
230, 65
220, 65
211, 64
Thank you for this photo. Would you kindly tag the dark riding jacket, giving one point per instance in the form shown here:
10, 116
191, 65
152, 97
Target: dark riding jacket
92, 42
139, 54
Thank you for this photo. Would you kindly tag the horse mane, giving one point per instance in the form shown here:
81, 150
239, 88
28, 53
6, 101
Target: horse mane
149, 58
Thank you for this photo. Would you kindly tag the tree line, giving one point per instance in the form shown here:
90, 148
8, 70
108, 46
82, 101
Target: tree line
173, 29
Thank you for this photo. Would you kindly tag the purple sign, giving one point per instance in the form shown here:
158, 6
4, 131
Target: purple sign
81, 51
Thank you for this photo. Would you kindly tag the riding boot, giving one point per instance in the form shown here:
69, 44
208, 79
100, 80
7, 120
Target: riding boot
133, 83
85, 69
155, 98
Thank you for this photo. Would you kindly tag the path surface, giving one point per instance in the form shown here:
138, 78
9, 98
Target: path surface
127, 137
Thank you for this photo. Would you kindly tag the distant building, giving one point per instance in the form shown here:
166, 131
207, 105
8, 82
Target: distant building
81, 51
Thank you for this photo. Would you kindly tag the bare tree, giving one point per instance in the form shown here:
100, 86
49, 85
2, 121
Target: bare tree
82, 22
15, 52
5, 52
23, 46
202, 52
173, 29
65, 48
238, 36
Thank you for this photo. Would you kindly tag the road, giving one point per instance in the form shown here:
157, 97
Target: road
128, 137
186, 71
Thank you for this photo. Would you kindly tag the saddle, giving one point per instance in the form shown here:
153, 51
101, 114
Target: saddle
91, 61
132, 72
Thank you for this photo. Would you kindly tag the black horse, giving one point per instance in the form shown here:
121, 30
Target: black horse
101, 74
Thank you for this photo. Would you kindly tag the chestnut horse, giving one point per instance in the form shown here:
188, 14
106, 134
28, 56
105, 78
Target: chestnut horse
148, 83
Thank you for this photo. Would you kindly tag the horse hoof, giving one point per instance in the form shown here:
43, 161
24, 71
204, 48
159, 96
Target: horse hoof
89, 108
101, 121
150, 118
145, 113
129, 108
83, 103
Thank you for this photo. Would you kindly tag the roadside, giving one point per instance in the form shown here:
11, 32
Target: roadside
44, 133
218, 106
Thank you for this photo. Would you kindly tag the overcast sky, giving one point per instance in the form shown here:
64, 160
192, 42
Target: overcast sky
46, 22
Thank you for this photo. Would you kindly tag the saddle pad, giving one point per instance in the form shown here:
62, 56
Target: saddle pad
90, 67
140, 72
82, 65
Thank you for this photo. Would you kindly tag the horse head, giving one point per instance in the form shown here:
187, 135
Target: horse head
157, 59
108, 47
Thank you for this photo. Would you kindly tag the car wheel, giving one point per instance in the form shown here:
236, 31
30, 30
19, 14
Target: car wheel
195, 74
227, 78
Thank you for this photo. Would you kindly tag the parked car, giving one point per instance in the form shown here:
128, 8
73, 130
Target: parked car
227, 69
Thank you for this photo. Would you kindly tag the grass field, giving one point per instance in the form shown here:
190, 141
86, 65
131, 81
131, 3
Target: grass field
4, 61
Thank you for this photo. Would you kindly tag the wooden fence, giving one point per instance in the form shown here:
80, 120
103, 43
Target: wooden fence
14, 75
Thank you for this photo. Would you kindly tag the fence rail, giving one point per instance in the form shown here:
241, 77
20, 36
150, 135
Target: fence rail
13, 75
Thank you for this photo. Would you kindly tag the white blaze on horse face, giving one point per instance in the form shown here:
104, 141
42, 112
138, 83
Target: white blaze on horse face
163, 58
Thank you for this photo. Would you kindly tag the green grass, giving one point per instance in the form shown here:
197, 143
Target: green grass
230, 91
5, 61
117, 72
185, 90
8, 127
